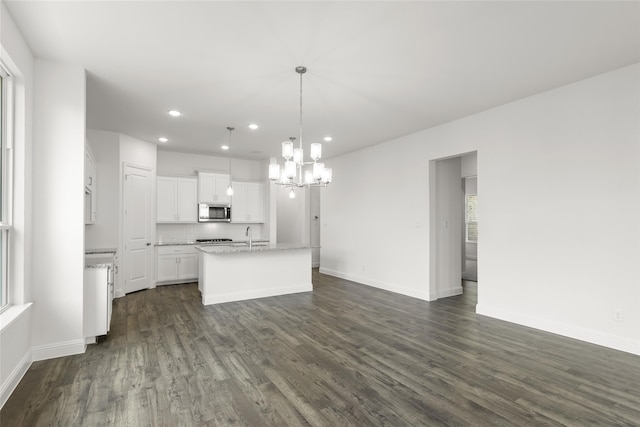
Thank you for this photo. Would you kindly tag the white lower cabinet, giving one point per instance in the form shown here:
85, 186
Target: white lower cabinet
175, 264
98, 300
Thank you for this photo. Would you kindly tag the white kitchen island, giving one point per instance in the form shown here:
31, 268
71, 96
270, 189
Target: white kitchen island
236, 273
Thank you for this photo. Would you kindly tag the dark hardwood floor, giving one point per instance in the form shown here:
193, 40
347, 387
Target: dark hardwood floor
345, 354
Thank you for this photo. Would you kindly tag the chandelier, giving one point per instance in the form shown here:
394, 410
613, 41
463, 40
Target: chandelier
296, 172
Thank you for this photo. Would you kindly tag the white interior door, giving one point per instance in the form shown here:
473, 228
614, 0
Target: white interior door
137, 229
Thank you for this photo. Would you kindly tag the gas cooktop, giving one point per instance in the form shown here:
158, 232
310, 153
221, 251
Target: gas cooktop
213, 240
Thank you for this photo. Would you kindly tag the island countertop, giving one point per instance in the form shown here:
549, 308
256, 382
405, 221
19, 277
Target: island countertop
238, 248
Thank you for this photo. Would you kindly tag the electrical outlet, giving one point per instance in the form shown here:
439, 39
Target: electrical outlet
618, 315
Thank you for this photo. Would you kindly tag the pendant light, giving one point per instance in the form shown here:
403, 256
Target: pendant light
230, 188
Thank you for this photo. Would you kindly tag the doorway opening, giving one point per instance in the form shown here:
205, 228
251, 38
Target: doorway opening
453, 237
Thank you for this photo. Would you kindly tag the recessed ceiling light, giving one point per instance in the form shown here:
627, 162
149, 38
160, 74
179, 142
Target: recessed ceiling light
163, 139
224, 147
253, 126
328, 138
174, 113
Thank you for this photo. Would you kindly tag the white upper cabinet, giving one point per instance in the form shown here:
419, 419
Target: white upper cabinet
248, 202
90, 171
176, 199
212, 188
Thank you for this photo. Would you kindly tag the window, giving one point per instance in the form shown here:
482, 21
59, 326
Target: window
5, 186
471, 217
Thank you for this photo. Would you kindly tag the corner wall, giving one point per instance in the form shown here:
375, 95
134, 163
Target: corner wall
16, 322
58, 256
576, 201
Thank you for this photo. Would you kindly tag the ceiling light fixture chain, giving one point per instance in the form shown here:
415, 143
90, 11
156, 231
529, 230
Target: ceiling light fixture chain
294, 174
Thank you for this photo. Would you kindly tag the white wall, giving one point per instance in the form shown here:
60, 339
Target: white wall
15, 323
292, 216
575, 152
106, 149
58, 193
185, 164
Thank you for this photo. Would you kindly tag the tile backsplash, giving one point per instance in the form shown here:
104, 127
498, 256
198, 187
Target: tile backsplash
182, 232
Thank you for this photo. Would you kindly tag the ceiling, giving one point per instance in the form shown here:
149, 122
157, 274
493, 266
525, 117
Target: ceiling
376, 70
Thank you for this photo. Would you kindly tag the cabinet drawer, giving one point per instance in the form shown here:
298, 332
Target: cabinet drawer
177, 250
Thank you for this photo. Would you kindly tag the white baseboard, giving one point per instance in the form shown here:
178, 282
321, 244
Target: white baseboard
391, 287
51, 351
449, 292
262, 293
14, 378
594, 337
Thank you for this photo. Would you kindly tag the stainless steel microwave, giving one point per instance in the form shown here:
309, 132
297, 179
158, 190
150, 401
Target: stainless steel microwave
210, 212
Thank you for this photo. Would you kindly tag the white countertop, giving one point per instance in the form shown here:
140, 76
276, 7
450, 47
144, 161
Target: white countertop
100, 251
257, 247
193, 242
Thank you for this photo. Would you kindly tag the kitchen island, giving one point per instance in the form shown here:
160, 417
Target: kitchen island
240, 272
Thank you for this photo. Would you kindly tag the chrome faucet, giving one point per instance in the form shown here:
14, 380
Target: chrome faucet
248, 233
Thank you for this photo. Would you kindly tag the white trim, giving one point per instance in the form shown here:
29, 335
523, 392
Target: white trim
449, 292
15, 377
61, 349
615, 342
391, 287
12, 313
261, 293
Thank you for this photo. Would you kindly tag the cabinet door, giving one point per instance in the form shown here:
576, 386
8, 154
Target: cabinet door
90, 170
167, 267
187, 203
239, 212
167, 195
206, 188
222, 182
255, 202
188, 266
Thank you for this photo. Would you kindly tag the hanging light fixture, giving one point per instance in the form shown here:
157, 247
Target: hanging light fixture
296, 172
229, 188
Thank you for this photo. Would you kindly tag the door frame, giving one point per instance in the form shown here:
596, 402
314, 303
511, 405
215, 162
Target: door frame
152, 235
438, 259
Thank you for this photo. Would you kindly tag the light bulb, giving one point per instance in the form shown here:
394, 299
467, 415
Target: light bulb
287, 149
316, 151
292, 194
290, 169
229, 190
308, 177
298, 155
327, 175
274, 171
317, 171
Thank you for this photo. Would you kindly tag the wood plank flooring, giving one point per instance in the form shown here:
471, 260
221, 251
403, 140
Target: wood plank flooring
343, 355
